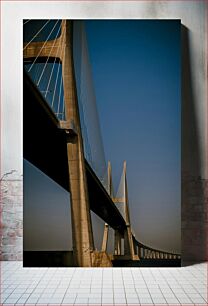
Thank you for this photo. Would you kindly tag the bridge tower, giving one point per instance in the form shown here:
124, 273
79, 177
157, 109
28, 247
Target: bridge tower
83, 244
122, 200
110, 192
128, 241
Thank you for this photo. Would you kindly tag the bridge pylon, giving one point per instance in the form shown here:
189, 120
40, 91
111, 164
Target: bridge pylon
122, 202
128, 251
129, 248
83, 244
110, 192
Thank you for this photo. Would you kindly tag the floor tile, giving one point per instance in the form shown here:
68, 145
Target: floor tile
81, 301
129, 286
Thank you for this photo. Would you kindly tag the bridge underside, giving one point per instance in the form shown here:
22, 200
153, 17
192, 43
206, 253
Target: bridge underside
44, 145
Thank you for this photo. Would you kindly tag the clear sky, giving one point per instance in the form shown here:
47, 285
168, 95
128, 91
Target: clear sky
136, 74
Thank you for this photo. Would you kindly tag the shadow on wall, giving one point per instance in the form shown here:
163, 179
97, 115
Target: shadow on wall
194, 187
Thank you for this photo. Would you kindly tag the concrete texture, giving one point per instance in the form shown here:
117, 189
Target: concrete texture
194, 98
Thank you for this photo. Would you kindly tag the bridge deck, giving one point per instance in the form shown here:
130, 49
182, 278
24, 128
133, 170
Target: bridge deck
44, 145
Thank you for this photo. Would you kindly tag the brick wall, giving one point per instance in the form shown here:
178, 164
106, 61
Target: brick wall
11, 217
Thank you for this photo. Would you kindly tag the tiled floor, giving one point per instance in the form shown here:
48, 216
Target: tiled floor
100, 286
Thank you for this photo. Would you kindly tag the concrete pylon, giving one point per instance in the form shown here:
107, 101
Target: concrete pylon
117, 243
122, 199
105, 238
83, 245
106, 226
128, 240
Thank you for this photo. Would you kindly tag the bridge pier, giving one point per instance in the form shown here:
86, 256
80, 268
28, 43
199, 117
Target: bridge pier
117, 243
128, 243
128, 240
136, 249
106, 226
105, 237
141, 253
83, 244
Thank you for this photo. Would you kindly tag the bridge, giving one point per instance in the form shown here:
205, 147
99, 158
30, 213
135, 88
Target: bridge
58, 142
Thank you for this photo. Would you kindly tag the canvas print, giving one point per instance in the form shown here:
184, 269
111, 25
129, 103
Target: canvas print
102, 143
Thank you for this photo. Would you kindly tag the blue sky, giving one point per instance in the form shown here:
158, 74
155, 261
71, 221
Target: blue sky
136, 74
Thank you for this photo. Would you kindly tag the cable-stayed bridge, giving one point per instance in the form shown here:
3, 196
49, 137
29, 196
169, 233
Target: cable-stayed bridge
62, 138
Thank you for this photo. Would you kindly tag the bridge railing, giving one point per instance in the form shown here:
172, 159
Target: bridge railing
146, 252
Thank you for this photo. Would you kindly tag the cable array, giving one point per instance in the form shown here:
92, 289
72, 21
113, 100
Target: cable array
91, 131
46, 72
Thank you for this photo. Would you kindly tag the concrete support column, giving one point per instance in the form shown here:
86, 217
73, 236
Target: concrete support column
128, 242
136, 249
110, 192
105, 237
117, 243
83, 244
141, 252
